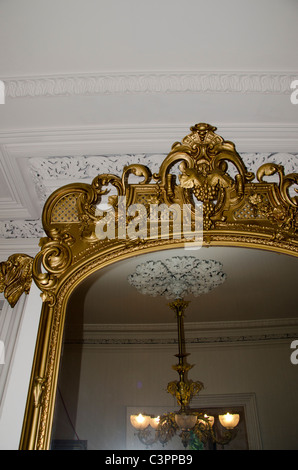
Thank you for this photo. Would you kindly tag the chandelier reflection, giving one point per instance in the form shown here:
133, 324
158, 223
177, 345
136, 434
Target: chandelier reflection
174, 278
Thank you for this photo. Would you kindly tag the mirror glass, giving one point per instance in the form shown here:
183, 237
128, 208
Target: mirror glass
119, 347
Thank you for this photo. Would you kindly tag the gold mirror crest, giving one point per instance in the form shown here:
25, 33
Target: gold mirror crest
211, 174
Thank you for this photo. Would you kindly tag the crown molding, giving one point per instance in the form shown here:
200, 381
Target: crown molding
275, 82
146, 137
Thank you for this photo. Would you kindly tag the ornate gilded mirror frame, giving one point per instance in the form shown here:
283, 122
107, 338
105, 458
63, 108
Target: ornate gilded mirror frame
238, 208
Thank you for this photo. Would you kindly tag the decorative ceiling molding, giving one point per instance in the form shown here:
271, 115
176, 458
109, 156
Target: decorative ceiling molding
139, 138
197, 334
21, 229
150, 82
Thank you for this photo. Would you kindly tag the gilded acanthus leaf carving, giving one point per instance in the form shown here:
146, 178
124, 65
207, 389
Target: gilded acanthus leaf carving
184, 391
285, 181
15, 277
283, 218
204, 165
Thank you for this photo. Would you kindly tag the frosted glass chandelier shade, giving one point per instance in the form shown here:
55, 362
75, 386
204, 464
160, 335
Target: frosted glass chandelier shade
140, 421
229, 421
176, 277
185, 421
154, 422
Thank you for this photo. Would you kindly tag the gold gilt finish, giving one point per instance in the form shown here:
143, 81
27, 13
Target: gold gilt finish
183, 389
15, 277
238, 210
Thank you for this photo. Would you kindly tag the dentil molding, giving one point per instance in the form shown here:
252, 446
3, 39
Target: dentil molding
150, 82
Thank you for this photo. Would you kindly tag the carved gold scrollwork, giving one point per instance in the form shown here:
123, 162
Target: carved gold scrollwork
90, 199
204, 177
285, 181
137, 170
15, 277
48, 264
284, 213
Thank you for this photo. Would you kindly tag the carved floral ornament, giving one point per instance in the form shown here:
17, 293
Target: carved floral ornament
234, 208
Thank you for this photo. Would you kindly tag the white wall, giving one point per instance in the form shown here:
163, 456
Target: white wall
15, 387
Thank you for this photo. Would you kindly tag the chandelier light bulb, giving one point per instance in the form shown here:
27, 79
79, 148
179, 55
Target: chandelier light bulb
154, 422
229, 421
140, 421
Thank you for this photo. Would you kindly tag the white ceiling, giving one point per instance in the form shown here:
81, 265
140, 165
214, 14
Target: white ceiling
260, 285
72, 36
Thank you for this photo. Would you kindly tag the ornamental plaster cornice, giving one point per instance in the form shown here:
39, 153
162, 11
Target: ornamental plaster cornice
139, 138
274, 82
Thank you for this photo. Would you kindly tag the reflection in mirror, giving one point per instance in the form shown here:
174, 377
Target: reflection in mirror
119, 347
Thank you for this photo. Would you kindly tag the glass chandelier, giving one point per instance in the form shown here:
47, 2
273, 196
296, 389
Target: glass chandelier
174, 278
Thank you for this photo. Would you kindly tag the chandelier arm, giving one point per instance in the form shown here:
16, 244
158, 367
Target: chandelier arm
145, 438
227, 437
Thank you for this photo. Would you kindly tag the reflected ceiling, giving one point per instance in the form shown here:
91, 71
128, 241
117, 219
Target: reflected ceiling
260, 285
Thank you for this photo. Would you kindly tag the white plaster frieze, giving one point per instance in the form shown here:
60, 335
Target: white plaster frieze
150, 82
51, 173
21, 229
